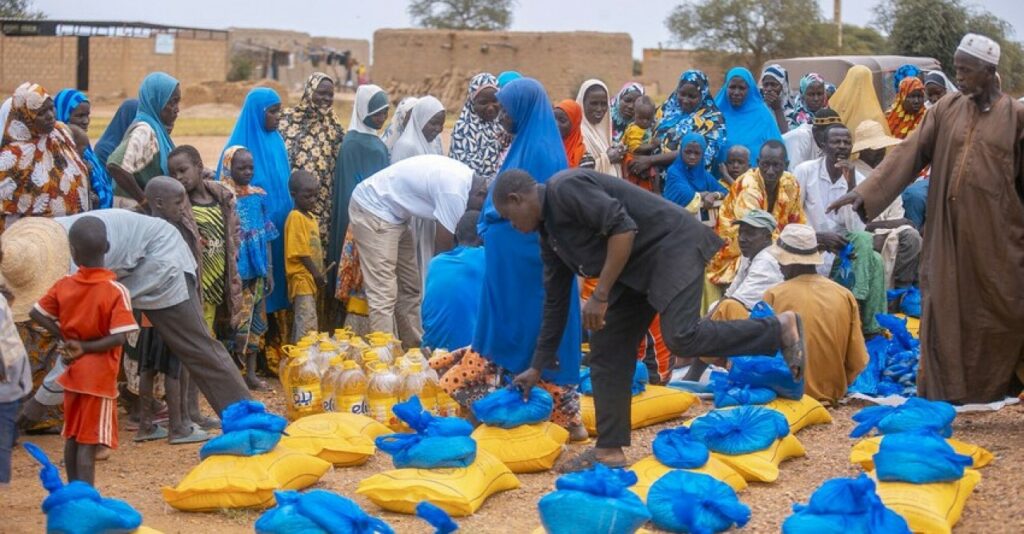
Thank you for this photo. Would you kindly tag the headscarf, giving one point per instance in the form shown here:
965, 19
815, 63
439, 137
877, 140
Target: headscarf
937, 77
619, 123
505, 77
5, 113
225, 174
573, 143
311, 134
412, 142
598, 137
271, 173
398, 121
114, 133
905, 71
779, 74
683, 184
155, 91
476, 142
802, 113
102, 185
901, 122
855, 99
706, 120
750, 124
370, 100
40, 175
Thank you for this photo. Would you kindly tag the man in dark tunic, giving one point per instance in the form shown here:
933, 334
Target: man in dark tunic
972, 266
649, 255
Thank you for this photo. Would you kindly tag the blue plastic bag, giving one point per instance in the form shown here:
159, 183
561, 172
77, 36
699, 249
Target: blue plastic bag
248, 430
77, 508
765, 371
682, 501
505, 408
740, 430
438, 518
916, 414
845, 506
729, 394
318, 512
868, 379
641, 377
911, 303
596, 500
900, 335
436, 441
918, 458
842, 267
676, 448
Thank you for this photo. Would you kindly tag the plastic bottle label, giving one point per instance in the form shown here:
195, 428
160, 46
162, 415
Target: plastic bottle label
352, 404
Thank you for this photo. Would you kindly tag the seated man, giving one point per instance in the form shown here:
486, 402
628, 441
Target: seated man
451, 296
804, 143
758, 271
429, 187
896, 239
836, 353
822, 182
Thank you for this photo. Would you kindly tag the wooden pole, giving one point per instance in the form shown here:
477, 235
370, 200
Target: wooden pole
838, 17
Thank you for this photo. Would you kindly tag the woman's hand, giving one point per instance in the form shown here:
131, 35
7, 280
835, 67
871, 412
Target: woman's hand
640, 164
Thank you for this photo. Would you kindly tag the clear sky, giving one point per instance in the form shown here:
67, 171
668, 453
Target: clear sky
645, 21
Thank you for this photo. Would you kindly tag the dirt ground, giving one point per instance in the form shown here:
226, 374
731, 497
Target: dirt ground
136, 472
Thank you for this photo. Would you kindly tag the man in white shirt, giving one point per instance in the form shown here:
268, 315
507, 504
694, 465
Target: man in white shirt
430, 187
759, 270
804, 142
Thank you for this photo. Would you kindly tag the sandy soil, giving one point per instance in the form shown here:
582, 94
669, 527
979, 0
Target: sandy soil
137, 471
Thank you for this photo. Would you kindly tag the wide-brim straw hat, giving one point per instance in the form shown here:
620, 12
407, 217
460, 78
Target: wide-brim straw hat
797, 245
871, 136
35, 256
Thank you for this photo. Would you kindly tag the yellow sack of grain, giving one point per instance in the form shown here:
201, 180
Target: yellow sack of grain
864, 451
146, 530
344, 439
763, 465
220, 482
929, 508
649, 470
458, 491
801, 413
656, 404
525, 448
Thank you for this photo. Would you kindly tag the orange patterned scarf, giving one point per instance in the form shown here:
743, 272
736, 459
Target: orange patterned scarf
901, 122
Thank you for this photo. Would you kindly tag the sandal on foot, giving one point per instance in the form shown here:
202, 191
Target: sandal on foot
794, 354
207, 423
197, 436
158, 432
583, 461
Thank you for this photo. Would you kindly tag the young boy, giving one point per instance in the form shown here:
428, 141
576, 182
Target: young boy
92, 314
15, 383
303, 255
737, 163
637, 139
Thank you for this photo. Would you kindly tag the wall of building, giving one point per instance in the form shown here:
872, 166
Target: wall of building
662, 67
560, 60
48, 61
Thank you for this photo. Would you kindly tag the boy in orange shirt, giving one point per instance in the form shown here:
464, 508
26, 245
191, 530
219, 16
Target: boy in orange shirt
92, 314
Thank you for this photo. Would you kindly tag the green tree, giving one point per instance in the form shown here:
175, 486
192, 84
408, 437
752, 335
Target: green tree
750, 31
21, 9
462, 14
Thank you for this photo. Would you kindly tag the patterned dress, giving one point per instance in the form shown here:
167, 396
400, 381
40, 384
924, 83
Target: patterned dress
476, 142
674, 122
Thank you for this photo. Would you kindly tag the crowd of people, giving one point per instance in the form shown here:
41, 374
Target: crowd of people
648, 229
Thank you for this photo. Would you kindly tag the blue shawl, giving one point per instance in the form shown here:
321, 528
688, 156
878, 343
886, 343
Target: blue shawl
102, 186
749, 125
155, 91
683, 182
114, 133
512, 303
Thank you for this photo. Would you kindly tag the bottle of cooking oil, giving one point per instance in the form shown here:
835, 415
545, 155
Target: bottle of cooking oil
329, 384
422, 383
357, 346
350, 389
380, 343
326, 352
303, 392
382, 389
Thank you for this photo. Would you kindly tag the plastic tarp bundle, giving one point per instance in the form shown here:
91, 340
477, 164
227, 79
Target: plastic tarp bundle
248, 430
682, 501
911, 303
438, 518
740, 430
596, 500
893, 363
318, 511
764, 371
77, 508
916, 414
842, 268
918, 458
730, 394
677, 448
845, 506
641, 377
436, 441
506, 408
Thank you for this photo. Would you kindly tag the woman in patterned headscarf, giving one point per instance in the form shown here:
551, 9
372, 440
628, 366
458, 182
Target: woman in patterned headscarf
41, 174
622, 108
477, 139
909, 108
775, 91
313, 135
812, 97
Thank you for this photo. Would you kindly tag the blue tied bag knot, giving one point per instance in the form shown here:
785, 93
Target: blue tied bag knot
677, 448
506, 408
596, 500
918, 458
916, 414
682, 501
435, 442
740, 430
248, 430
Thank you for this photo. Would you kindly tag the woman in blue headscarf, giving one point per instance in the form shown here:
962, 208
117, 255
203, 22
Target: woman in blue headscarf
748, 118
114, 133
688, 182
256, 130
72, 107
143, 152
512, 301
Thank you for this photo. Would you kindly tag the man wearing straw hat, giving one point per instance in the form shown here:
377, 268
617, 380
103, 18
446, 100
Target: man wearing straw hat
896, 239
836, 353
972, 267
152, 260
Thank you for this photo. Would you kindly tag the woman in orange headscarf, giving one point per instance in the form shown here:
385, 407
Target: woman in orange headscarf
909, 109
569, 116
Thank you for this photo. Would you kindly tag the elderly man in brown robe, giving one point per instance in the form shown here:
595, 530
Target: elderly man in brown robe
972, 267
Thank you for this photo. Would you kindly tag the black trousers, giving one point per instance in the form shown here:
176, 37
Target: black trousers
613, 348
